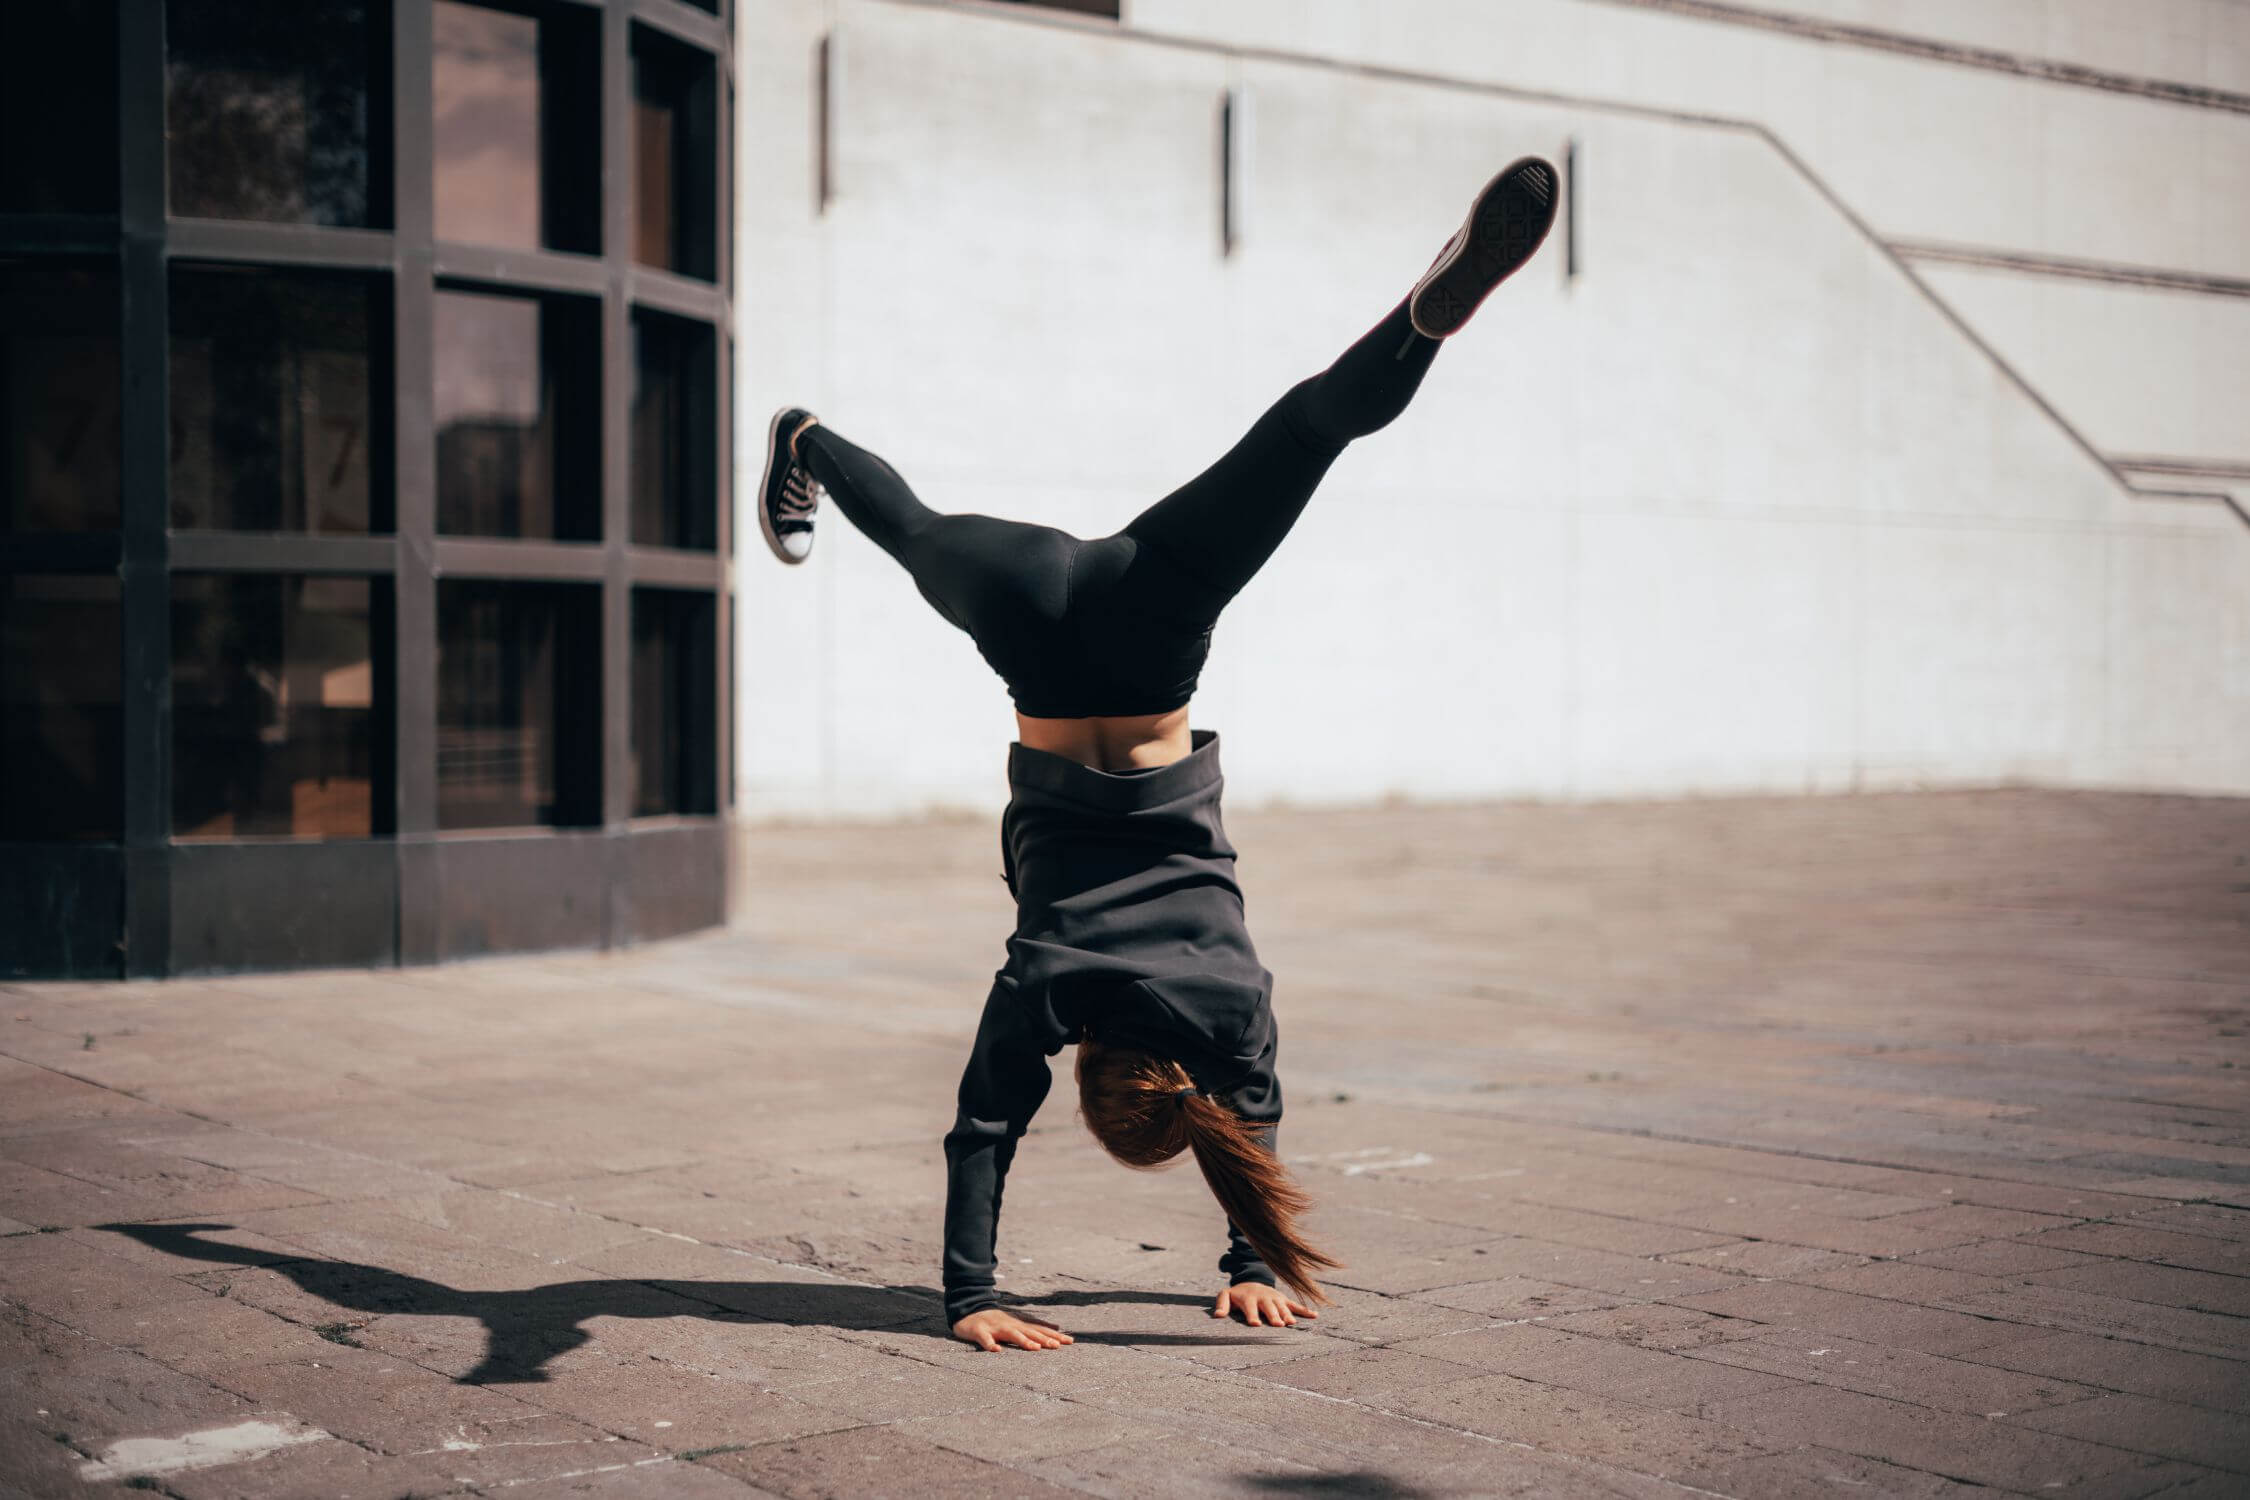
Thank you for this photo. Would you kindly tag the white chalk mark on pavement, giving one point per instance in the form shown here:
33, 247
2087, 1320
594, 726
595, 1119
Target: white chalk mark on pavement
1417, 1159
198, 1450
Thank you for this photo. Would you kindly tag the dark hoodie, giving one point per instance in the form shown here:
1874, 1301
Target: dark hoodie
1129, 928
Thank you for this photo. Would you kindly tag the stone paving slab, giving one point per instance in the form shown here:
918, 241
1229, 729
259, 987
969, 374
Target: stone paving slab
1889, 1145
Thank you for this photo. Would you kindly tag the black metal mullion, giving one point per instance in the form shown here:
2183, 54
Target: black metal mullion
682, 22
244, 242
282, 552
675, 568
682, 296
144, 569
521, 270
496, 557
618, 178
414, 584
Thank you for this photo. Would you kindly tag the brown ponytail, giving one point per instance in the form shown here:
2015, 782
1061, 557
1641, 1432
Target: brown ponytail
1145, 1112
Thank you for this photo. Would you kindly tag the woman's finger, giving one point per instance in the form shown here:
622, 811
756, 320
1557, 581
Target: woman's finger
1219, 1306
986, 1342
1250, 1312
1302, 1311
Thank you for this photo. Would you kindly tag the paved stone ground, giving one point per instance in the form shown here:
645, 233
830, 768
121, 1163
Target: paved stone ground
1897, 1144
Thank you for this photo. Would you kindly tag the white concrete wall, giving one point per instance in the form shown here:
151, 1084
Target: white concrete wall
2139, 370
1740, 509
1925, 151
2201, 42
1922, 150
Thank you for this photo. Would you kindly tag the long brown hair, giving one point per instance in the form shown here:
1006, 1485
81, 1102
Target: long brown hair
1144, 1111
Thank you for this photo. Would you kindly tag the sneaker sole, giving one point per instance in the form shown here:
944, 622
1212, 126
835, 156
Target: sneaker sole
1505, 226
765, 487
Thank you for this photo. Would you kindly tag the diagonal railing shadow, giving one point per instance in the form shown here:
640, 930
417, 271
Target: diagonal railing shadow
526, 1328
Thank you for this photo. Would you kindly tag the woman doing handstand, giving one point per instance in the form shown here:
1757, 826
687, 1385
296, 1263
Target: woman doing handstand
1129, 935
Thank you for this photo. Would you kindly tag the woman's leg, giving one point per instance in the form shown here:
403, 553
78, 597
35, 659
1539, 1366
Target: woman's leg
986, 575
1221, 526
867, 490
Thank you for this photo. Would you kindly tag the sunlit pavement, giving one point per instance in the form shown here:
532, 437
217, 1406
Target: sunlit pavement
1888, 1145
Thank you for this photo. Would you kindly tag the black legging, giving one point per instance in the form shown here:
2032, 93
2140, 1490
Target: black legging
1121, 624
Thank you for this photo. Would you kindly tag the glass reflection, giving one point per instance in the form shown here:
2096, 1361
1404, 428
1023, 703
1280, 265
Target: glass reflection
269, 111
675, 699
518, 416
272, 422
674, 494
485, 90
58, 398
519, 704
61, 736
674, 156
274, 689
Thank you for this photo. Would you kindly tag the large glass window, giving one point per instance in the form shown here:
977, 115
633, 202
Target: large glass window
58, 397
674, 457
61, 736
280, 384
519, 704
675, 155
58, 89
518, 416
276, 112
675, 703
280, 695
511, 169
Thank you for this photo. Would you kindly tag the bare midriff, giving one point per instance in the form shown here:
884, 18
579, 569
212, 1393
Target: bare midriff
1119, 742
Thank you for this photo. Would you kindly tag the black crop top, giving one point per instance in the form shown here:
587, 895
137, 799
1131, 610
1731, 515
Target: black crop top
1129, 925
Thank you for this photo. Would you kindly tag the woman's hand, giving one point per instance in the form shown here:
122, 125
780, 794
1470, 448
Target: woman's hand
1260, 1306
994, 1326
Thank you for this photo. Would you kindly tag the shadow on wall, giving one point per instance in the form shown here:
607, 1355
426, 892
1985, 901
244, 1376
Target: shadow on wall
524, 1329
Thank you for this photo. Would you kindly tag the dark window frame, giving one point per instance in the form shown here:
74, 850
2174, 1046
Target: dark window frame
410, 892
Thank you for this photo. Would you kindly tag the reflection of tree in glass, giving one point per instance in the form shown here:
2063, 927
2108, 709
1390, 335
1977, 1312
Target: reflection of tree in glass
267, 111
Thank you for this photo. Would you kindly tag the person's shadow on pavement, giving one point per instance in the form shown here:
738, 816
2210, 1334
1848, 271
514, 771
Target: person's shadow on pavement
525, 1329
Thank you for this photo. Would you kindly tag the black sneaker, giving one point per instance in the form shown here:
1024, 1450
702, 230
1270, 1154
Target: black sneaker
1505, 225
787, 494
